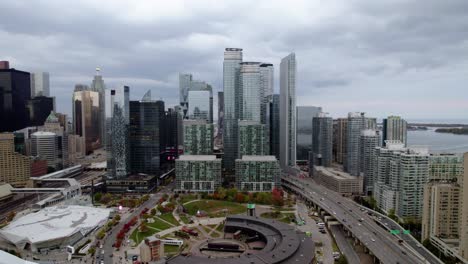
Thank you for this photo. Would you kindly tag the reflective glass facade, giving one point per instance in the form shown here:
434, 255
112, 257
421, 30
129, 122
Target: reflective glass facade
250, 92
86, 117
199, 105
15, 90
288, 111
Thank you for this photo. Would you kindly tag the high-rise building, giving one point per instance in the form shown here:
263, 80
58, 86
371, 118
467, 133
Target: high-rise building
98, 86
15, 169
442, 203
186, 85
273, 124
357, 122
253, 138
394, 128
266, 88
322, 140
38, 109
368, 142
288, 111
304, 125
231, 89
4, 65
86, 117
250, 92
257, 173
172, 123
400, 176
117, 110
15, 91
220, 114
40, 84
198, 137
198, 173
199, 105
52, 124
46, 145
464, 210
339, 139
144, 137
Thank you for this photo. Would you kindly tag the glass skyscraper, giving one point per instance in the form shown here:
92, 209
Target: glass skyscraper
273, 124
187, 85
322, 137
357, 122
15, 91
98, 86
231, 89
199, 105
86, 117
304, 126
117, 112
266, 88
288, 111
250, 92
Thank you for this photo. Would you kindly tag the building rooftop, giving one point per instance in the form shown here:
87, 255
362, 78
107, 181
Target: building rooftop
197, 157
43, 133
54, 223
11, 259
257, 158
5, 190
332, 172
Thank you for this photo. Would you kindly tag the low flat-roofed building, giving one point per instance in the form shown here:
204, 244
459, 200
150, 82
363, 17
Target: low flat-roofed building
257, 173
198, 173
338, 181
54, 227
5, 193
137, 183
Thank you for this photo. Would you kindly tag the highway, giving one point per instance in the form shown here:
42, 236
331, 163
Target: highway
380, 242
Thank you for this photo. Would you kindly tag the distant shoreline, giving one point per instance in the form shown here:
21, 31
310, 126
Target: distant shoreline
456, 131
437, 125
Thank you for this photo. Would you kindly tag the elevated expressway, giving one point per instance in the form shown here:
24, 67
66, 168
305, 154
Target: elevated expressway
380, 243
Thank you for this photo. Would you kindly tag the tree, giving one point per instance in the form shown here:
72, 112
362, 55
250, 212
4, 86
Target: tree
106, 198
117, 217
342, 260
277, 197
231, 194
91, 251
240, 198
221, 193
153, 211
143, 227
391, 214
10, 216
97, 197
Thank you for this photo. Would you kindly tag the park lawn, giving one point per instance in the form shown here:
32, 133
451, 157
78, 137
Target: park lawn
214, 208
138, 236
207, 229
169, 218
187, 198
220, 228
272, 215
170, 249
161, 225
287, 218
184, 218
215, 235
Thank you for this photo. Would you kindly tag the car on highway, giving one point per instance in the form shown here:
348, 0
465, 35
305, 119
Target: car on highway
373, 240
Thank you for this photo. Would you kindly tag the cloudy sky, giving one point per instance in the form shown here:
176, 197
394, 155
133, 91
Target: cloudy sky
381, 57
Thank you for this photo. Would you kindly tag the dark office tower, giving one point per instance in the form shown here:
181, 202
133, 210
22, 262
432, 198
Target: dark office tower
15, 91
144, 137
394, 128
86, 117
4, 65
220, 114
304, 129
231, 89
162, 131
273, 123
39, 109
322, 140
172, 125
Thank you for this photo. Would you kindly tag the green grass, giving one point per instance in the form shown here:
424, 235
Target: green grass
184, 218
187, 198
170, 249
214, 208
207, 229
159, 224
138, 236
287, 218
220, 228
272, 215
169, 218
215, 234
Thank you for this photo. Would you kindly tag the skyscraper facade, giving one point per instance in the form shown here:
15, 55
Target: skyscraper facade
266, 88
198, 173
253, 138
38, 109
144, 137
186, 85
322, 137
199, 105
52, 124
250, 92
274, 124
15, 168
40, 84
117, 110
368, 142
231, 89
288, 111
98, 86
15, 91
257, 173
198, 137
304, 124
87, 117
394, 128
220, 114
46, 146
357, 122
339, 139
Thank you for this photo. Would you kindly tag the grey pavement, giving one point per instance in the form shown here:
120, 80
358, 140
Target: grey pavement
345, 247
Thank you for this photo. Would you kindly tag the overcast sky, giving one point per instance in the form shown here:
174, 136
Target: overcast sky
381, 57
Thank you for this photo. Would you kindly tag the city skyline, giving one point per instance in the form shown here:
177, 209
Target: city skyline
372, 61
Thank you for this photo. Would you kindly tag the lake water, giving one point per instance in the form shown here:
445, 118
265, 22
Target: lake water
438, 142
